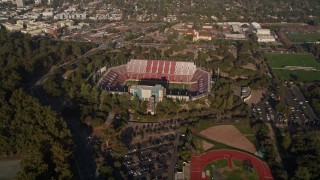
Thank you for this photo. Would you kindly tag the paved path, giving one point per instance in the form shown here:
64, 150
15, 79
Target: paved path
9, 168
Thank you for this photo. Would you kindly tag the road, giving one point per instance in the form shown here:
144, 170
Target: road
45, 76
171, 168
83, 151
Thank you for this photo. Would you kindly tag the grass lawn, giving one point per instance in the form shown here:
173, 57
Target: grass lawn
130, 83
297, 75
178, 86
304, 37
204, 124
276, 60
145, 118
215, 165
254, 141
283, 25
241, 174
237, 163
244, 128
238, 171
280, 60
197, 141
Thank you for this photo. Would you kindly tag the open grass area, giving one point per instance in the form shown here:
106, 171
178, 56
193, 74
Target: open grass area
244, 128
145, 118
204, 124
131, 83
254, 141
198, 143
277, 60
283, 25
178, 86
298, 75
214, 165
237, 172
304, 37
281, 60
241, 174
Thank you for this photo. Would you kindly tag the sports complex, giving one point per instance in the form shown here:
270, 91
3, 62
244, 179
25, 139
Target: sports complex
199, 163
157, 72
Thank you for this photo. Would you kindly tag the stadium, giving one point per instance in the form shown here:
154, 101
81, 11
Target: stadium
153, 72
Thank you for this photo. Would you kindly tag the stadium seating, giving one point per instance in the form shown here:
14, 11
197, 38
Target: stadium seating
136, 69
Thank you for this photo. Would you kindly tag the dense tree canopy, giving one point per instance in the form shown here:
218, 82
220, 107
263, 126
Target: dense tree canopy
27, 128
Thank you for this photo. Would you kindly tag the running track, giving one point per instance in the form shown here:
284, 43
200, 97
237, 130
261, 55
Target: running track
198, 163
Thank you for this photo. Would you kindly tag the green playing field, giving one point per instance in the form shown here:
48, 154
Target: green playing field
282, 60
304, 37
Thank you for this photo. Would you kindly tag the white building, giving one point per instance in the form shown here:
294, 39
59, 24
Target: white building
37, 2
266, 38
20, 3
70, 16
12, 27
256, 25
201, 36
263, 32
235, 36
47, 14
235, 28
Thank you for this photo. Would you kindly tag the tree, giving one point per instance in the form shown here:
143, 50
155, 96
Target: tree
302, 173
286, 141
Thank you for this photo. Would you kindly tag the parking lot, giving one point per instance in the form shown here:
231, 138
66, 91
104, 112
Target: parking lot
151, 159
301, 113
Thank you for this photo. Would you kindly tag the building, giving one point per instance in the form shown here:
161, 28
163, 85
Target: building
263, 32
37, 2
159, 72
12, 27
235, 36
185, 174
202, 36
256, 25
145, 92
264, 35
266, 38
152, 94
244, 92
20, 3
235, 28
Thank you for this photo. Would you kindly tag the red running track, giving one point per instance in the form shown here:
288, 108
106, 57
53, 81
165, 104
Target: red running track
198, 163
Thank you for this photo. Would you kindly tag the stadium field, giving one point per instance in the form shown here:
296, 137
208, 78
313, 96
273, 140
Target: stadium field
282, 60
304, 37
180, 86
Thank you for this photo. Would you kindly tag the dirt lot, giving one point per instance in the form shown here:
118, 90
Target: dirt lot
206, 145
229, 135
256, 96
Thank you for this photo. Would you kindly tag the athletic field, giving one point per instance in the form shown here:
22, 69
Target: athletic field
219, 170
304, 37
282, 63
